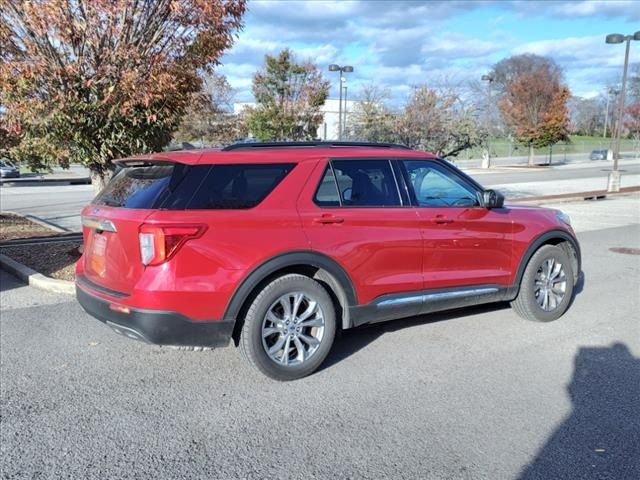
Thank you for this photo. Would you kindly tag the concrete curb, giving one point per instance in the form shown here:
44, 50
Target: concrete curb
35, 279
30, 276
9, 182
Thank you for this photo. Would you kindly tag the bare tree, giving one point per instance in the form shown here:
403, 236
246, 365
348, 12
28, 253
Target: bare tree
438, 121
210, 116
634, 82
506, 70
371, 119
587, 115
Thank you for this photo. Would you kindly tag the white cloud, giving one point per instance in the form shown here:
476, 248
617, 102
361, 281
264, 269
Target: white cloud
608, 8
407, 42
626, 9
587, 61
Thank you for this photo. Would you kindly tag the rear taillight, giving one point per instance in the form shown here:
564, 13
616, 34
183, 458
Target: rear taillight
158, 243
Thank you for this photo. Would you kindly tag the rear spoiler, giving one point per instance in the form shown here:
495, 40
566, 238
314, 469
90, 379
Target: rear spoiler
142, 162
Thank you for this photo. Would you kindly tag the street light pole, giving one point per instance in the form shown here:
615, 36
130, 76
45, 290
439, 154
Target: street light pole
344, 123
340, 109
606, 113
613, 184
487, 163
344, 69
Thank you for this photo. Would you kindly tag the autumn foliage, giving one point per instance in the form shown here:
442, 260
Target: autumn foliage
632, 118
89, 81
534, 105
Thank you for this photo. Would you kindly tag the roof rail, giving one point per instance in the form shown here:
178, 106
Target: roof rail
320, 144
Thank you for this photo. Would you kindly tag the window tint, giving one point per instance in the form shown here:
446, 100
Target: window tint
435, 186
239, 186
327, 193
136, 187
366, 183
179, 187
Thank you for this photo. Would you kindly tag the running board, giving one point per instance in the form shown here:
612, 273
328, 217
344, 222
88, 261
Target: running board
402, 305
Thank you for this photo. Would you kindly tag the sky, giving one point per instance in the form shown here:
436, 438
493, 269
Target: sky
400, 44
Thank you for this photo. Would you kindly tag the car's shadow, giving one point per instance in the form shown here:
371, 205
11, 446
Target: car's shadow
353, 340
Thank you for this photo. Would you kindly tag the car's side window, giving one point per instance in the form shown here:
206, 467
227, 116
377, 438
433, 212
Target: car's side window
366, 183
327, 192
358, 183
435, 186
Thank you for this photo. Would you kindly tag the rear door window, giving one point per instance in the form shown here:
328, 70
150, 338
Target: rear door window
175, 186
327, 192
366, 183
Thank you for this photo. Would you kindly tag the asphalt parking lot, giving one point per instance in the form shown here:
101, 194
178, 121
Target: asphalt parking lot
471, 394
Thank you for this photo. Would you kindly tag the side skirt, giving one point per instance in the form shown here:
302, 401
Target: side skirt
402, 305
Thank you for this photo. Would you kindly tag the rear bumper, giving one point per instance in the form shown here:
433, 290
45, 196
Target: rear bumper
156, 326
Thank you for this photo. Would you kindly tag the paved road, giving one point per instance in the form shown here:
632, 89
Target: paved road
62, 204
59, 204
467, 395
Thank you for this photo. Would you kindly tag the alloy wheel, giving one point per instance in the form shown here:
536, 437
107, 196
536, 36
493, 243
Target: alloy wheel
550, 284
293, 329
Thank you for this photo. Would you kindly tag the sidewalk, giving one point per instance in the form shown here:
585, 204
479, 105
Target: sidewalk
561, 187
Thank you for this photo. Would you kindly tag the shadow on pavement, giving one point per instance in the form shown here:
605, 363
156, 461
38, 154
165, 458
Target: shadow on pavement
601, 437
353, 340
8, 282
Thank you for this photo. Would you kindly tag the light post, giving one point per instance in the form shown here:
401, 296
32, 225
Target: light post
487, 163
344, 69
344, 123
613, 184
611, 91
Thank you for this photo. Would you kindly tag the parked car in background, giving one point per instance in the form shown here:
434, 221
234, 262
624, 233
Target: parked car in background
8, 170
598, 155
280, 246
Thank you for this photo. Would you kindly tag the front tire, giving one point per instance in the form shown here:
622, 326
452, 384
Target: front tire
546, 287
289, 328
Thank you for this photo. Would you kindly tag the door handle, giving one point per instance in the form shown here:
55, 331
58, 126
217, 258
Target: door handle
328, 219
440, 219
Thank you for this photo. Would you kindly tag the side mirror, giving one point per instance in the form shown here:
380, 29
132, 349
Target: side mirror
492, 199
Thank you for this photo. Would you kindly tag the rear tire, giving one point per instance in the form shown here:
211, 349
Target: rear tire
546, 287
289, 328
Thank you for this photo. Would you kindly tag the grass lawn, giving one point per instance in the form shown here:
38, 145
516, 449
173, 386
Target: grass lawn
501, 147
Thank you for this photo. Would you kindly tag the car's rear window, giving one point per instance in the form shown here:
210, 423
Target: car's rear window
174, 186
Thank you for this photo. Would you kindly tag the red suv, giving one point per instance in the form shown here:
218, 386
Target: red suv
280, 246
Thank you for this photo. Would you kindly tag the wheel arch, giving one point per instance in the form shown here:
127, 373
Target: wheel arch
551, 237
312, 264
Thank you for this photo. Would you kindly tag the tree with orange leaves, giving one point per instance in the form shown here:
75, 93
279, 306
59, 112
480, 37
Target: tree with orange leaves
91, 80
534, 105
632, 122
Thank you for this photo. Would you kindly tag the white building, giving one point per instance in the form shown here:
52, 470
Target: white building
328, 129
